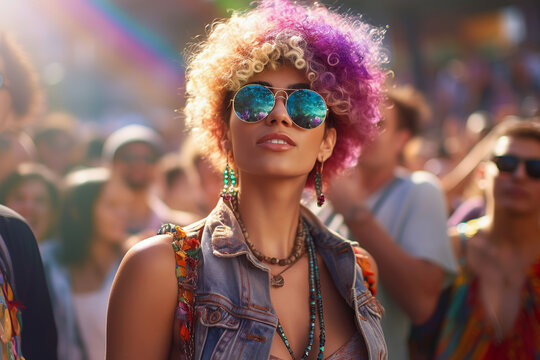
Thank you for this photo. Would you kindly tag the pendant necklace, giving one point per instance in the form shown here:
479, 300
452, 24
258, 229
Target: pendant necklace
299, 248
277, 280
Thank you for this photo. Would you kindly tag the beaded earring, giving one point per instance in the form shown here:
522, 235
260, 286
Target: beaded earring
318, 185
229, 183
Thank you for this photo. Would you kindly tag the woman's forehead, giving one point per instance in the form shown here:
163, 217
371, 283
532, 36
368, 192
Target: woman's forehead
283, 77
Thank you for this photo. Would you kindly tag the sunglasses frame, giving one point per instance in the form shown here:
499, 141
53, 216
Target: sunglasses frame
516, 161
276, 96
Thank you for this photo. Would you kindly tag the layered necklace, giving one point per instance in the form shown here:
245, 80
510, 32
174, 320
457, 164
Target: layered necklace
299, 248
303, 241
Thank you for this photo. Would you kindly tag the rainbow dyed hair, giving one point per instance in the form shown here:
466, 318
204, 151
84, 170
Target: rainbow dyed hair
340, 55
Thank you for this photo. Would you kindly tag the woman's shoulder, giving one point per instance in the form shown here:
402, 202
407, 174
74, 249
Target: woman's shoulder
158, 252
151, 255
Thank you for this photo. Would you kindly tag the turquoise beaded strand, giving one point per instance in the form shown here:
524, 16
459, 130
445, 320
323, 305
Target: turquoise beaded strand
315, 299
322, 338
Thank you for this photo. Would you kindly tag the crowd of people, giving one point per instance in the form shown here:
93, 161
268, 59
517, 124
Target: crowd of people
317, 218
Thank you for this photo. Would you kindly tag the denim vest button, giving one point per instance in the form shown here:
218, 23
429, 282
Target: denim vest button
214, 317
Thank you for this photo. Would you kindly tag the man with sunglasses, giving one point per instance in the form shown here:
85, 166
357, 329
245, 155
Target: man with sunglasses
495, 308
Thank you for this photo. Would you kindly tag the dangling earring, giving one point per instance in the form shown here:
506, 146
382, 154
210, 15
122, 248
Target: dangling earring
318, 185
229, 190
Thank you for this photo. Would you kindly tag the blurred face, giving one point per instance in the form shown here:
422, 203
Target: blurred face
57, 152
32, 200
275, 146
515, 191
6, 111
385, 149
111, 213
135, 163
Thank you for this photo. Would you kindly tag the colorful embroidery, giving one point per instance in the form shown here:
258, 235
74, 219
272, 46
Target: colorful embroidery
369, 275
10, 323
187, 251
467, 334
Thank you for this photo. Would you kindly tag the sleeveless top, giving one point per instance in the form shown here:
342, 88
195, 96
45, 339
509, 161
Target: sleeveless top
232, 316
466, 332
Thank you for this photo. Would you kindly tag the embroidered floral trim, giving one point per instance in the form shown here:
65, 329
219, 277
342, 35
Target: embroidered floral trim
10, 323
369, 275
186, 249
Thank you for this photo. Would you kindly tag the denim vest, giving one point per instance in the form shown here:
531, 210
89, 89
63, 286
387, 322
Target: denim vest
234, 314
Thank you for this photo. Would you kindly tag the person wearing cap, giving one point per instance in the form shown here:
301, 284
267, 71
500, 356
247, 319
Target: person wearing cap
133, 152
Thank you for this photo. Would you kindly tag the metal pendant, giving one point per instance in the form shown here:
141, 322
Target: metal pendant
277, 281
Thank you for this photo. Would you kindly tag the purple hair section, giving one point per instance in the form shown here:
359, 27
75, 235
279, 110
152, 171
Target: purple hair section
346, 53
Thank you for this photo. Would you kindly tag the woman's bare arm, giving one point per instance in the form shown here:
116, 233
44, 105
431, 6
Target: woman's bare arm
143, 302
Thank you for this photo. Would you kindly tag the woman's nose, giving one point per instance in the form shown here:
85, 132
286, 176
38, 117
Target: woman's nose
279, 113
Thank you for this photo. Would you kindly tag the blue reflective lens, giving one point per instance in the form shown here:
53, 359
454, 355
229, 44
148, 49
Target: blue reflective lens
254, 102
306, 108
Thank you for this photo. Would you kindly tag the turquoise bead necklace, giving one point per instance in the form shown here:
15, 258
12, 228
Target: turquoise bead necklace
314, 298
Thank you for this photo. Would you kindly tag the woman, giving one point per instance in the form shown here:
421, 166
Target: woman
276, 92
32, 191
80, 267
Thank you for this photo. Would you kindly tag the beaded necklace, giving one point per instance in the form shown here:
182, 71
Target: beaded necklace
315, 298
299, 248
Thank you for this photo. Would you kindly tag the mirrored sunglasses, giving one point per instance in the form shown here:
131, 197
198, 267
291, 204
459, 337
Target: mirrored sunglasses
509, 164
254, 102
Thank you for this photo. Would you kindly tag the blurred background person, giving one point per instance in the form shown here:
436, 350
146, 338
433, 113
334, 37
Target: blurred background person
15, 147
57, 143
208, 181
81, 265
94, 150
25, 312
32, 191
180, 188
399, 217
494, 310
133, 153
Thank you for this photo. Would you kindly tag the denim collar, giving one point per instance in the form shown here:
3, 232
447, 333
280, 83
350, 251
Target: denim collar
228, 239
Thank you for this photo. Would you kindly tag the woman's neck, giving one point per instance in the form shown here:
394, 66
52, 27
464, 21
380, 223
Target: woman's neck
269, 210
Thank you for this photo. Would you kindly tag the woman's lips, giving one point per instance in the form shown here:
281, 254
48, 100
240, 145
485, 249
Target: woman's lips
276, 142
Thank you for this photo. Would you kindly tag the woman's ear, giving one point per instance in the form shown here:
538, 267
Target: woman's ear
226, 144
327, 144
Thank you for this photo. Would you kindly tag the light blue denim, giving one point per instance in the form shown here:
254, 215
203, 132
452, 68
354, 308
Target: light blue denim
235, 318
